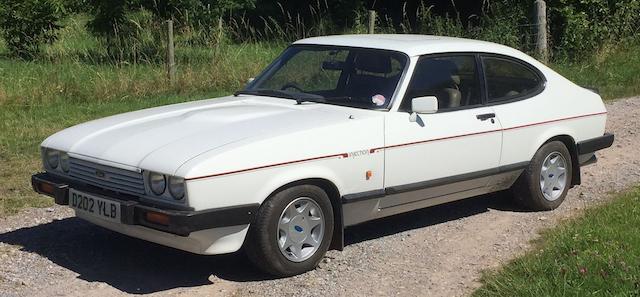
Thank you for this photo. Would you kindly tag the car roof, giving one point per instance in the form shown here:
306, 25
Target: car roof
412, 44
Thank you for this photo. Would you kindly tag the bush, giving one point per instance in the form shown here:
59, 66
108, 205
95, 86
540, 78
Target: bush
580, 27
27, 24
131, 29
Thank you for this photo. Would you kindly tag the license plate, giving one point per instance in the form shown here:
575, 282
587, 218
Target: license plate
91, 205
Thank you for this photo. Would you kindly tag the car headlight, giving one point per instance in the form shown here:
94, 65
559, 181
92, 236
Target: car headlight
157, 183
64, 161
52, 157
176, 187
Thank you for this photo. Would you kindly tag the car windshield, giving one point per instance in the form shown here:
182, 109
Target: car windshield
356, 77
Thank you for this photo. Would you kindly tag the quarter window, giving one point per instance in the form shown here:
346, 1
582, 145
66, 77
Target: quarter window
508, 79
451, 79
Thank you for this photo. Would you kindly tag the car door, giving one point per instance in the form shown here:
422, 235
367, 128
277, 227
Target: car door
513, 90
448, 154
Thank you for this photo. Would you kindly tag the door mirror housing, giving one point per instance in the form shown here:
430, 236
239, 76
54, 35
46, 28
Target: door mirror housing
428, 104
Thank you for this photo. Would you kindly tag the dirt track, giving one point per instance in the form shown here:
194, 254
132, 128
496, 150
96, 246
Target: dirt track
439, 251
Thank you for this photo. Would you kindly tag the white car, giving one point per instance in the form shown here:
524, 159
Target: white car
337, 131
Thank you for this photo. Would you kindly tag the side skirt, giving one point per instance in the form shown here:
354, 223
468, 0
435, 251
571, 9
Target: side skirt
361, 207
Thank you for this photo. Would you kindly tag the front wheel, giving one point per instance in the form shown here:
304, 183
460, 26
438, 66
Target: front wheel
292, 231
545, 182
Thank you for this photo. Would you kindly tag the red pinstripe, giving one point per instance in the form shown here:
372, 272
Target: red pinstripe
557, 120
344, 155
373, 150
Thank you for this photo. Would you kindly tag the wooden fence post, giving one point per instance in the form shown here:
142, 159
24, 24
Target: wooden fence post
372, 21
171, 60
542, 49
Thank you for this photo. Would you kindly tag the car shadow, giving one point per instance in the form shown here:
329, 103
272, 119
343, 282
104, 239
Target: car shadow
503, 201
138, 267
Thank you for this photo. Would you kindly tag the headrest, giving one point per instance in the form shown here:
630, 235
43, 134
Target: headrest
455, 79
373, 62
444, 66
436, 73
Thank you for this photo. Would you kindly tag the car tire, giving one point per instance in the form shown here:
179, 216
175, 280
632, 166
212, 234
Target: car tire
282, 235
544, 183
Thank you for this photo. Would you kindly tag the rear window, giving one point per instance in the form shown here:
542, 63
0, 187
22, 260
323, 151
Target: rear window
508, 79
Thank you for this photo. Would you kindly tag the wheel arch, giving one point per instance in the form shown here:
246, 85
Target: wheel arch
337, 239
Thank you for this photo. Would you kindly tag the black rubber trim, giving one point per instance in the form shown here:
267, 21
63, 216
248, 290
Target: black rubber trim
184, 222
440, 181
362, 196
61, 189
592, 89
133, 212
351, 198
595, 144
514, 167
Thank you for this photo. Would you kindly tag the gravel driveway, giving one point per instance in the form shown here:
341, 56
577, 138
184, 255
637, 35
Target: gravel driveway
439, 251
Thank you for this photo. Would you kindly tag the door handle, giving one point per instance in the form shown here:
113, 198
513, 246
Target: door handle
486, 116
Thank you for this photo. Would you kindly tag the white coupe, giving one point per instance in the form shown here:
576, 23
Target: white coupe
335, 132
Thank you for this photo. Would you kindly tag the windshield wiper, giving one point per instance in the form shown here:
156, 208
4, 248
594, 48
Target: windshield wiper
283, 94
322, 99
337, 98
267, 92
299, 100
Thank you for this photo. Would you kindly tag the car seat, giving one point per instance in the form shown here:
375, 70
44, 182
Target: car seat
437, 78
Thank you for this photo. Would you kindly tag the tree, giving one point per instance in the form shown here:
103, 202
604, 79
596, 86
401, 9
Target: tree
27, 24
110, 14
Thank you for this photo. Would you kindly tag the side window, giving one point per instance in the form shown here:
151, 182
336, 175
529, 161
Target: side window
451, 79
508, 80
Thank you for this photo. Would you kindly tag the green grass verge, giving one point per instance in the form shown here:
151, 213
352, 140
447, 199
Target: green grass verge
597, 254
615, 72
226, 67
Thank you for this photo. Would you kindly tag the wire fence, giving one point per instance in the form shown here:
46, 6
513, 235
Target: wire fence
534, 39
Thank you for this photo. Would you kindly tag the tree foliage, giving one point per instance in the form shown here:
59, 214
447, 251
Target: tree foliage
577, 27
27, 24
580, 26
109, 15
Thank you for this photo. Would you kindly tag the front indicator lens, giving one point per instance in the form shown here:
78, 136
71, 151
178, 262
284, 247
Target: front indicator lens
176, 187
52, 157
157, 218
157, 183
64, 162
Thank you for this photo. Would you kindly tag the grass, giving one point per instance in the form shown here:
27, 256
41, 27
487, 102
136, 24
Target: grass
72, 82
614, 71
597, 254
74, 69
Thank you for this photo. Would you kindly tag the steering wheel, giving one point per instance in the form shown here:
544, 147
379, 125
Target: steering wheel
292, 85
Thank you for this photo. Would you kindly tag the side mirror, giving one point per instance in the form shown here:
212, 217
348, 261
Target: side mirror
428, 104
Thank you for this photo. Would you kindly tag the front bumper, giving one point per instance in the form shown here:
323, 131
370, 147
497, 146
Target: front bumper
133, 212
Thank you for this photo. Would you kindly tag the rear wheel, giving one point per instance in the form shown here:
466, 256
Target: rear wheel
292, 231
545, 182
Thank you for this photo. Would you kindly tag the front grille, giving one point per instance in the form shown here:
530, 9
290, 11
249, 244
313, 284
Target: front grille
107, 177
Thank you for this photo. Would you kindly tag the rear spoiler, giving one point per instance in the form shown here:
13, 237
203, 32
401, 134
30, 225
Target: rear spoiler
592, 89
